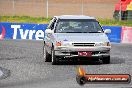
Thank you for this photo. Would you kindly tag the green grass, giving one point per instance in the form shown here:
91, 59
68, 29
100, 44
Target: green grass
112, 22
24, 19
42, 20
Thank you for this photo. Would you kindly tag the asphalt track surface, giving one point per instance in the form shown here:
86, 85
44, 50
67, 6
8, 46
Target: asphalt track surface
28, 70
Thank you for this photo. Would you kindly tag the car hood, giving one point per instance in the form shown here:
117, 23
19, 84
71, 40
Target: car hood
81, 37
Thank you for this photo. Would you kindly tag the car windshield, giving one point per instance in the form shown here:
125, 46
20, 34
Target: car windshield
78, 26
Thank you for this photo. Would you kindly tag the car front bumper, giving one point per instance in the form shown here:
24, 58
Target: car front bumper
102, 51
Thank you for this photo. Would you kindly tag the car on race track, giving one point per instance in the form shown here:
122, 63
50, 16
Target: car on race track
81, 36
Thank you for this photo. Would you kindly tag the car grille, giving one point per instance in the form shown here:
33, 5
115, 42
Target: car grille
83, 44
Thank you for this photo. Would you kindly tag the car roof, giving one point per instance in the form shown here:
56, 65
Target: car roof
74, 17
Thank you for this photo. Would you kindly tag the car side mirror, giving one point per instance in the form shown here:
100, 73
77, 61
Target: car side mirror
48, 31
107, 31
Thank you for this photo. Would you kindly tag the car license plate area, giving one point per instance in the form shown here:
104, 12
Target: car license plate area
84, 53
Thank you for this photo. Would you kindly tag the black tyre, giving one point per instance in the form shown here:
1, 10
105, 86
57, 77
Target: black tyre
46, 55
106, 60
54, 59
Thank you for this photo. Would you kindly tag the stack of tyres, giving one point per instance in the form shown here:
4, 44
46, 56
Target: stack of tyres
129, 11
124, 15
116, 14
129, 16
126, 10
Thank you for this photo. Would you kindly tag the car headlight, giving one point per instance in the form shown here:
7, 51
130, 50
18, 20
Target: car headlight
66, 44
108, 44
63, 44
103, 44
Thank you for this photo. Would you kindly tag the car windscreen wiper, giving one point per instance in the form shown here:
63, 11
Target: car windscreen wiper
70, 32
95, 32
90, 32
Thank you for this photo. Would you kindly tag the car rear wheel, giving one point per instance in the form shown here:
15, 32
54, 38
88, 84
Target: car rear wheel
54, 59
106, 60
46, 55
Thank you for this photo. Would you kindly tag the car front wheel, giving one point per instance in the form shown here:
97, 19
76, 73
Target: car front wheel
106, 60
54, 59
46, 55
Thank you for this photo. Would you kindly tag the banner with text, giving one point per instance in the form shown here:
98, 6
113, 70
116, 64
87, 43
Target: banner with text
22, 31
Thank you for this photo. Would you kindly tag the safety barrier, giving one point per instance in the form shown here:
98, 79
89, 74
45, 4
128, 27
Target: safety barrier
36, 32
126, 35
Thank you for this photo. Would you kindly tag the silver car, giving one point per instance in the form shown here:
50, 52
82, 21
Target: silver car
71, 36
